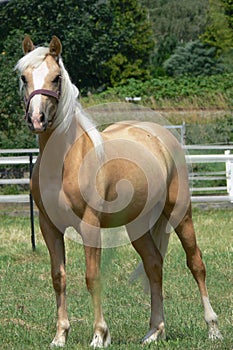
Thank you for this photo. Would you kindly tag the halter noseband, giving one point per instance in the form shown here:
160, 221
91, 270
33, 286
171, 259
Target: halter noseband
45, 92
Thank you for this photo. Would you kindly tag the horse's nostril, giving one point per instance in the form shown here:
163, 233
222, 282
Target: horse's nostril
42, 117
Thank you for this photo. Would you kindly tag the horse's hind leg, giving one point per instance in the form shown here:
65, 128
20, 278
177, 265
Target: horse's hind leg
55, 242
186, 234
153, 264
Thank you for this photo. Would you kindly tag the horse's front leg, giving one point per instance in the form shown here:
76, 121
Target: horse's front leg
101, 336
55, 242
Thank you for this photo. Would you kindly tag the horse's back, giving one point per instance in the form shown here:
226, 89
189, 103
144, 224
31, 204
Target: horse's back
140, 131
153, 137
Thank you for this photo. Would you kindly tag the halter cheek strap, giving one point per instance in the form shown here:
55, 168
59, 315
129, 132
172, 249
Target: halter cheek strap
45, 92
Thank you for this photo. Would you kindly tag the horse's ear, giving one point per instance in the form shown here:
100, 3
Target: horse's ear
27, 44
55, 46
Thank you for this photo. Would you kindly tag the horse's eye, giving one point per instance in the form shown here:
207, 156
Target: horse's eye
24, 80
56, 79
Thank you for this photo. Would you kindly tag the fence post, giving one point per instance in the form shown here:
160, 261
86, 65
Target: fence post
31, 206
183, 133
229, 176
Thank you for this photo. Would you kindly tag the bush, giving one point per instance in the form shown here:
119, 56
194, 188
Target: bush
219, 131
205, 87
193, 59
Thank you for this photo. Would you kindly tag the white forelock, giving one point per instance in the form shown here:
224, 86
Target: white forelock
33, 58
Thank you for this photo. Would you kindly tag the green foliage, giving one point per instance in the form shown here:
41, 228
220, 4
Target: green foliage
219, 31
96, 36
12, 126
193, 59
184, 19
132, 38
111, 43
180, 22
228, 9
174, 23
177, 88
121, 70
165, 48
92, 33
219, 131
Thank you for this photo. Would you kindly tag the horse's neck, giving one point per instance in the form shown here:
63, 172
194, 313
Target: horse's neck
43, 140
56, 143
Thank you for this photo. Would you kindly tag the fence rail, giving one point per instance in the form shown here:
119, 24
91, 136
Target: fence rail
226, 175
15, 198
28, 157
13, 157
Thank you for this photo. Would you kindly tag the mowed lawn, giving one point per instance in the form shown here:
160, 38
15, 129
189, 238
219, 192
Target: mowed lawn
27, 302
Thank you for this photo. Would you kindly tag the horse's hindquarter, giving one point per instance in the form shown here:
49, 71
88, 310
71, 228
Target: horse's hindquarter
160, 165
148, 145
147, 156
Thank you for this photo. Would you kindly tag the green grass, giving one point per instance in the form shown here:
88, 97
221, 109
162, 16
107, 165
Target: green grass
27, 303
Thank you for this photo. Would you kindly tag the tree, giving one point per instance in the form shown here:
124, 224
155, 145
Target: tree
92, 33
219, 31
194, 59
183, 19
104, 42
228, 9
131, 42
174, 23
164, 49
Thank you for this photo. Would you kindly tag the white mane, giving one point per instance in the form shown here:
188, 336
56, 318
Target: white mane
68, 106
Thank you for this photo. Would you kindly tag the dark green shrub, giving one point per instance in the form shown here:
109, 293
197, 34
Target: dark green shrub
193, 59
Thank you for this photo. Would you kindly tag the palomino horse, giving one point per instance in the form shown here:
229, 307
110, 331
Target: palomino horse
132, 174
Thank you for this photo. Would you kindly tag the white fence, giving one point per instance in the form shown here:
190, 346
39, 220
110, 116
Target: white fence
208, 193
23, 157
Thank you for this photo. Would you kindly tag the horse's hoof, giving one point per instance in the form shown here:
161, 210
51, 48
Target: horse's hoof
57, 344
60, 341
101, 341
154, 335
214, 332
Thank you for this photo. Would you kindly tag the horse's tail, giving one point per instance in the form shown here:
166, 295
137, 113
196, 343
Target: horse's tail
160, 233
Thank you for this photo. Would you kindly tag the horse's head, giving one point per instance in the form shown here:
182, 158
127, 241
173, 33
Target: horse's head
42, 85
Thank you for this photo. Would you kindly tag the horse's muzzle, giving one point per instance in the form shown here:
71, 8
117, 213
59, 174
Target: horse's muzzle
37, 123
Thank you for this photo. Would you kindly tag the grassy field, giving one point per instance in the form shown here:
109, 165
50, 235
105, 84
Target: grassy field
27, 303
